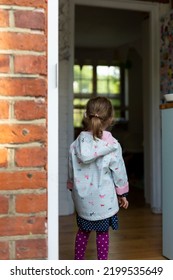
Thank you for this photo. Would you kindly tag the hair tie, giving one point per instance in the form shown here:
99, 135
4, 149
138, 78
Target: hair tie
93, 115
96, 116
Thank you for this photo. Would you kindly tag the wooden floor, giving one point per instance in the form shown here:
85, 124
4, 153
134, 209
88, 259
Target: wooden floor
139, 236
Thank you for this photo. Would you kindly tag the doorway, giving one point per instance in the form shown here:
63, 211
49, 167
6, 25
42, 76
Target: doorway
146, 14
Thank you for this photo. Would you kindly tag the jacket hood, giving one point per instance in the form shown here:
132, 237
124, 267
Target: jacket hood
88, 150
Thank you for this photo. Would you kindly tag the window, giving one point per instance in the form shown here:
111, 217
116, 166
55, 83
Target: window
99, 80
108, 79
83, 79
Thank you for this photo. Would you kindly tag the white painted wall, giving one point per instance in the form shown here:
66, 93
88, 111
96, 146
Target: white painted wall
53, 131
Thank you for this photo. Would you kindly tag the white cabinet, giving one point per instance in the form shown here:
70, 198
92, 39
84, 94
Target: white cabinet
167, 180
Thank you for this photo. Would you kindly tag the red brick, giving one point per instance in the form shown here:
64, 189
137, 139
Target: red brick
31, 249
30, 110
18, 180
22, 41
11, 226
4, 250
30, 19
4, 18
31, 203
4, 63
30, 64
4, 109
31, 157
23, 87
22, 133
4, 204
26, 3
3, 157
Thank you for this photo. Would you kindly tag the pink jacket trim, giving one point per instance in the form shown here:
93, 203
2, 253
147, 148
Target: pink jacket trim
122, 190
107, 136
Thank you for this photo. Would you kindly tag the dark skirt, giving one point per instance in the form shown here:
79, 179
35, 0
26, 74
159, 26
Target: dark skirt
100, 225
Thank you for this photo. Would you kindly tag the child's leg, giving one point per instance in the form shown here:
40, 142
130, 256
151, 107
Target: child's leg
81, 243
102, 241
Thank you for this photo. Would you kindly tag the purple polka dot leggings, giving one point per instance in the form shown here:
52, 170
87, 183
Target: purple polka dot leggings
102, 242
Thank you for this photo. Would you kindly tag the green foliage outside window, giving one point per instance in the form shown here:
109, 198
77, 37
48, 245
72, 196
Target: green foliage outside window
108, 79
83, 79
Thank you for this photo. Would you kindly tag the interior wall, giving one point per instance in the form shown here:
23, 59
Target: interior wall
103, 27
131, 138
134, 138
65, 105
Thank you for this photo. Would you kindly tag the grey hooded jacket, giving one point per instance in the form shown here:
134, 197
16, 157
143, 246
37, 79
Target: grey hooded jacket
96, 174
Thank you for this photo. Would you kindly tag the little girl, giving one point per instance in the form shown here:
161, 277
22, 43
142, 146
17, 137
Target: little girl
97, 178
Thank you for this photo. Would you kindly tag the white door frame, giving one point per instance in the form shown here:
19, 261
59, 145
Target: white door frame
53, 135
152, 144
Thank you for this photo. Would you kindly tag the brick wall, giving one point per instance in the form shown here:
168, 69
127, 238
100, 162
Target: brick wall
23, 129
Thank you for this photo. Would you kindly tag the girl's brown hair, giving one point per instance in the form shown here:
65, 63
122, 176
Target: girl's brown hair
99, 115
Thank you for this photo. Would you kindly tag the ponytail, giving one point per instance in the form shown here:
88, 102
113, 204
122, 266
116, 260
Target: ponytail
96, 126
99, 112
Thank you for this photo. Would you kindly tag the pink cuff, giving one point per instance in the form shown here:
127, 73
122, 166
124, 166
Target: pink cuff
69, 185
122, 190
